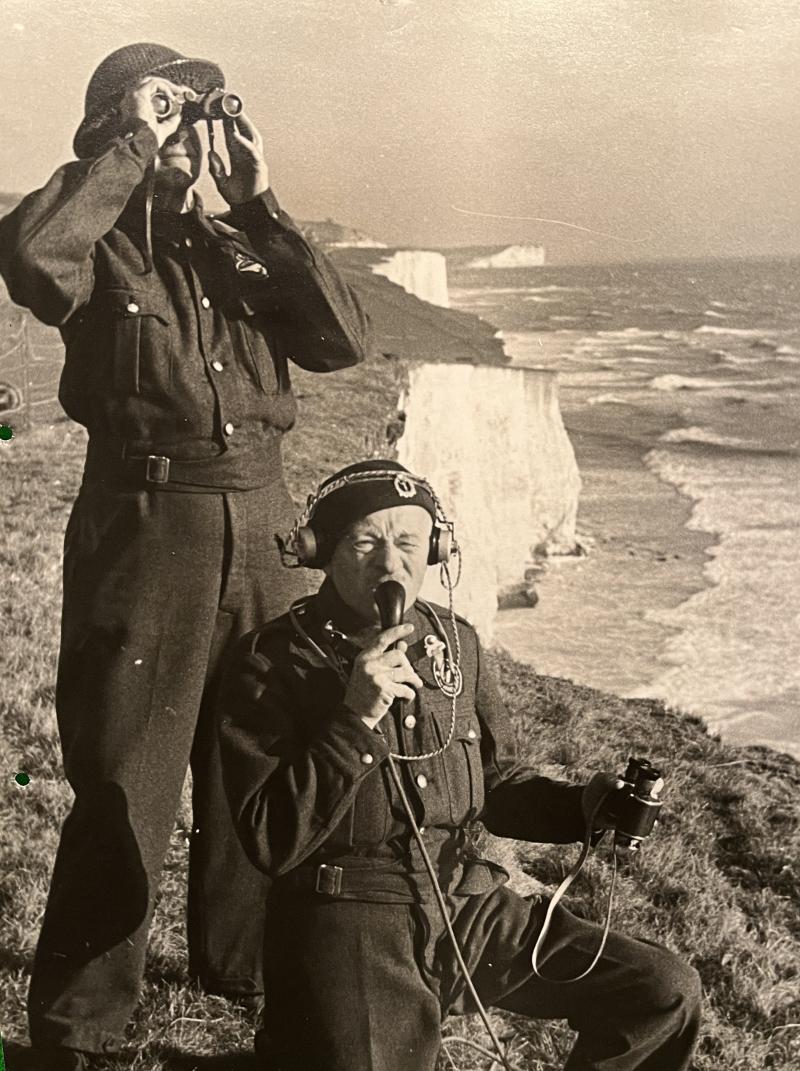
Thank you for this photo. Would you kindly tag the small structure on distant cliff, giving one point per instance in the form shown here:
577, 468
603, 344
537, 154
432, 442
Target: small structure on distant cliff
334, 235
514, 256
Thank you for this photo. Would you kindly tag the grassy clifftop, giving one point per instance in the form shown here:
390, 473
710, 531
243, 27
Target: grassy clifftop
718, 882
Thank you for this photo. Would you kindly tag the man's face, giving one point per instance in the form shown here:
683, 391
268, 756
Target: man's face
390, 544
180, 159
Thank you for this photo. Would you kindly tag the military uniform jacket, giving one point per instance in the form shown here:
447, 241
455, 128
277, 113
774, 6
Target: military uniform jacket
308, 780
189, 359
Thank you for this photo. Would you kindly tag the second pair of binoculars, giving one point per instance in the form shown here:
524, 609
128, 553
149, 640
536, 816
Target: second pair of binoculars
215, 104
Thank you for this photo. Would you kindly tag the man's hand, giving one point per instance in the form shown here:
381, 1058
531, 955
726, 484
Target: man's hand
380, 676
599, 797
249, 172
138, 103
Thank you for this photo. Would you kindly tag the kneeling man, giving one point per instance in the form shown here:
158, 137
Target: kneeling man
352, 751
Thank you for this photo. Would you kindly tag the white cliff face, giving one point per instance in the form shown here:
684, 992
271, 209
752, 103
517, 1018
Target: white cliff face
419, 272
493, 445
515, 256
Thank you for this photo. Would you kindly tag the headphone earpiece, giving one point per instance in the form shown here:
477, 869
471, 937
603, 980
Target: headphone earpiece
442, 544
310, 549
306, 546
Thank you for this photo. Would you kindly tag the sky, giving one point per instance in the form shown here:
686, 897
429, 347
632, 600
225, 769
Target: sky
603, 129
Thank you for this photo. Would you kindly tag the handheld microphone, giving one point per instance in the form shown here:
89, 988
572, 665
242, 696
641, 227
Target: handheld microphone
390, 597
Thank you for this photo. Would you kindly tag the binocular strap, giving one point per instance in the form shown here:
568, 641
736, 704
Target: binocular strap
559, 893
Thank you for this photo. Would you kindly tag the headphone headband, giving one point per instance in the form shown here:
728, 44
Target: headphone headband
405, 483
302, 543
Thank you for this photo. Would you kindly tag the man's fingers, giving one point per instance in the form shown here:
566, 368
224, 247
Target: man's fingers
394, 658
384, 640
170, 90
405, 675
244, 129
216, 166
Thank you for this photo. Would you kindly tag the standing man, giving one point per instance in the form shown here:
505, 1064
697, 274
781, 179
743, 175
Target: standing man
179, 328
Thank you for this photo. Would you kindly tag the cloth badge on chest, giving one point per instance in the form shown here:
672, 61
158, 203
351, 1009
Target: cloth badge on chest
249, 264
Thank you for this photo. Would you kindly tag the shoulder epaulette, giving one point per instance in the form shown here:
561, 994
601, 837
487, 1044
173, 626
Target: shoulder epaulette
444, 613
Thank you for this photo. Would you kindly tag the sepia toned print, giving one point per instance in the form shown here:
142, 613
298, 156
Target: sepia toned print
548, 254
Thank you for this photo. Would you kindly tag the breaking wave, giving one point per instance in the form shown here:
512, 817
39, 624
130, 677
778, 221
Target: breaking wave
737, 332
673, 382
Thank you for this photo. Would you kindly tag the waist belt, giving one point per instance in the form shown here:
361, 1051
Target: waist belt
353, 882
113, 464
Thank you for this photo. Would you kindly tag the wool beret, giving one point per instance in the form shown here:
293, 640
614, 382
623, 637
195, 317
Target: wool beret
361, 489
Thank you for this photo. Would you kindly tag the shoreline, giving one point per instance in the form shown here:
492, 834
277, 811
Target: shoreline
591, 623
602, 620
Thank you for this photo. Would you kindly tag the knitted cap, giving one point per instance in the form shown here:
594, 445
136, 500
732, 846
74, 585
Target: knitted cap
361, 489
124, 69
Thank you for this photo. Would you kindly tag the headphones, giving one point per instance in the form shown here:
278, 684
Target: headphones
304, 545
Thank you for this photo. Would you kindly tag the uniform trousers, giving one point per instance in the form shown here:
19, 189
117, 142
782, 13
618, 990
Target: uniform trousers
365, 986
157, 584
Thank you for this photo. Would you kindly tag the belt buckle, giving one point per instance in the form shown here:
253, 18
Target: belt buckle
156, 469
329, 879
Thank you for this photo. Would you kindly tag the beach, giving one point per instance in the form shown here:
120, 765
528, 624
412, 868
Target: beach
590, 623
678, 385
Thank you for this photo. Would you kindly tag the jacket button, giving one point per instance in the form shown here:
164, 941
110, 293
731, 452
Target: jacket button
132, 307
409, 721
228, 429
205, 302
422, 831
471, 734
217, 366
187, 242
422, 780
367, 758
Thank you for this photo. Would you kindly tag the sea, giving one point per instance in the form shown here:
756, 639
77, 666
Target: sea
694, 368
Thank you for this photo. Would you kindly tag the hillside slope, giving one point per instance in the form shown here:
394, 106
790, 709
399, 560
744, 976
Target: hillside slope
718, 882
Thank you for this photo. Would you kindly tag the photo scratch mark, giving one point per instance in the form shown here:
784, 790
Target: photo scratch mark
557, 222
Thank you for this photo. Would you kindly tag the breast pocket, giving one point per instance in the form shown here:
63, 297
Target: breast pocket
463, 766
266, 364
468, 744
461, 759
141, 342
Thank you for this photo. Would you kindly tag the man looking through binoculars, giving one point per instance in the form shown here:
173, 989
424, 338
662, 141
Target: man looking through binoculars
179, 329
163, 105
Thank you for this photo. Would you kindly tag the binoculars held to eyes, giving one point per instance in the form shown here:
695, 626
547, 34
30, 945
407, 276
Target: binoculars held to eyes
637, 805
215, 104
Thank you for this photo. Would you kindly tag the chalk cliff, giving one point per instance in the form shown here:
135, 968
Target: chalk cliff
488, 435
515, 256
492, 442
419, 272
